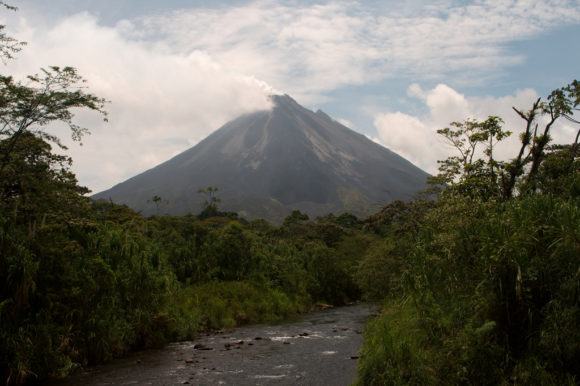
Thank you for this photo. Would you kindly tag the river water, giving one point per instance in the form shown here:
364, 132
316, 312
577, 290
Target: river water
319, 348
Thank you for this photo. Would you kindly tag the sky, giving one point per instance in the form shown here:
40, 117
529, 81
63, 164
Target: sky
174, 71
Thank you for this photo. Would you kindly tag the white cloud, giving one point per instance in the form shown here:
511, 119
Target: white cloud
446, 105
416, 138
174, 78
409, 137
161, 103
306, 50
414, 90
346, 122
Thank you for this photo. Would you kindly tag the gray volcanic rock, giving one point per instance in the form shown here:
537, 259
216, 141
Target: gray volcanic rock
268, 163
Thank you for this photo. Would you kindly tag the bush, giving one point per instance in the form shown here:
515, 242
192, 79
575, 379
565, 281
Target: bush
495, 291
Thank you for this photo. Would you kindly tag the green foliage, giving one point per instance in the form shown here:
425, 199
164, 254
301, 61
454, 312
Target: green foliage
37, 182
157, 201
379, 271
296, 217
84, 281
466, 175
97, 279
400, 217
392, 354
210, 208
46, 98
492, 288
8, 45
81, 293
483, 287
559, 174
486, 178
221, 304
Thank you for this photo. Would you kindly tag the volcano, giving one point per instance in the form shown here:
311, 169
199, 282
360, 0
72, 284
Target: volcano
268, 163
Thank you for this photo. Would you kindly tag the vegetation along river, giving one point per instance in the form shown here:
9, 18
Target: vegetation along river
319, 348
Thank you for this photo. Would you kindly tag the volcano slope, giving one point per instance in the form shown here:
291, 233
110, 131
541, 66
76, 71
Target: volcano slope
268, 163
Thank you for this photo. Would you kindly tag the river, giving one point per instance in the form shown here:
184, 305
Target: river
318, 348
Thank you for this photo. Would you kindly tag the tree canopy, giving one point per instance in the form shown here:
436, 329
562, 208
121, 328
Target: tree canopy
467, 173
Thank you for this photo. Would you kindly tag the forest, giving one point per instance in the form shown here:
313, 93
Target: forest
478, 279
482, 285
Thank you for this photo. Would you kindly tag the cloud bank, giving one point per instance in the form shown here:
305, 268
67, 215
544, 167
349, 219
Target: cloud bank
416, 138
161, 103
307, 50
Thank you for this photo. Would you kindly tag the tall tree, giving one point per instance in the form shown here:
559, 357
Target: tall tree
31, 105
561, 103
210, 207
44, 99
467, 174
37, 184
8, 45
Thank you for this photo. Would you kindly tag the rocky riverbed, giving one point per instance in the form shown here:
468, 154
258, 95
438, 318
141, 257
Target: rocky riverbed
319, 348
